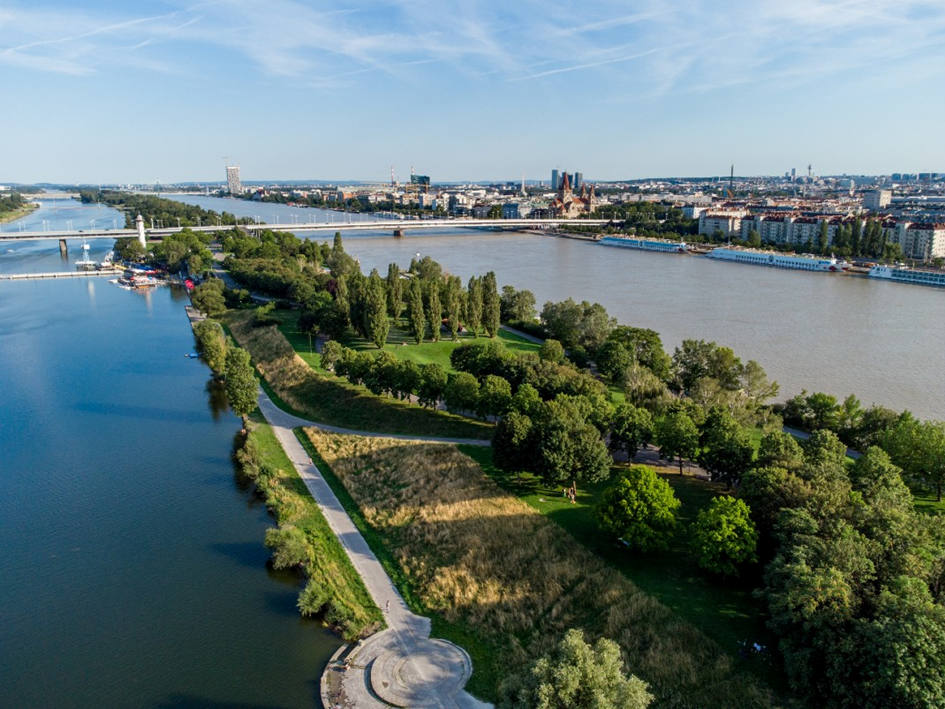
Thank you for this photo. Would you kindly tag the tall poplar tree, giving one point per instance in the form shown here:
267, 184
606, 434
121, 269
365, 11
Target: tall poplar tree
856, 236
454, 305
434, 310
823, 237
240, 385
376, 323
395, 292
474, 305
491, 306
415, 311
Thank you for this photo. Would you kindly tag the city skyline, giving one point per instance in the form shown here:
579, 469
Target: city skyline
106, 93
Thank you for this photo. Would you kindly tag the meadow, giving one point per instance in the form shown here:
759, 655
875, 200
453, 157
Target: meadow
513, 581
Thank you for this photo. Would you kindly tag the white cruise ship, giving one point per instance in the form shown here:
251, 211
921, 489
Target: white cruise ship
776, 260
904, 274
633, 242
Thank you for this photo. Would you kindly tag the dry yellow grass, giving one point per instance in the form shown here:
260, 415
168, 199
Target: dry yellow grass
333, 401
486, 560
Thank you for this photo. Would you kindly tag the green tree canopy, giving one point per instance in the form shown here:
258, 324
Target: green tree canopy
241, 385
577, 676
640, 508
208, 297
677, 436
723, 537
727, 451
631, 429
211, 344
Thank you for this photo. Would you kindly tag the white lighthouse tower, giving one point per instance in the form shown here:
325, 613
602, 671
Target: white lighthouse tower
142, 239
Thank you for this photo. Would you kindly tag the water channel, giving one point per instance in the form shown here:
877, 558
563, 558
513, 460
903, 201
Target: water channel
133, 572
840, 334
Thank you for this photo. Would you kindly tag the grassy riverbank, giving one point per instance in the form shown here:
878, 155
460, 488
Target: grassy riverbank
19, 213
511, 581
331, 400
332, 579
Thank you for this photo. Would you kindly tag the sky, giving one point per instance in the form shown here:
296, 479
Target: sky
117, 91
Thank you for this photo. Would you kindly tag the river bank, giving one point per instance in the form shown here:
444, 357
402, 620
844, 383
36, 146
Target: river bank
25, 210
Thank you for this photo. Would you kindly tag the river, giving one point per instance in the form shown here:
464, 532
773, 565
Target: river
134, 571
840, 334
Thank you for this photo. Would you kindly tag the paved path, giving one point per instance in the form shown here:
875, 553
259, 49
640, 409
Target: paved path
523, 335
402, 664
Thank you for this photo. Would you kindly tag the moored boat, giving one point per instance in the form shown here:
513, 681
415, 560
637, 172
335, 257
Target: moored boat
644, 244
800, 262
904, 274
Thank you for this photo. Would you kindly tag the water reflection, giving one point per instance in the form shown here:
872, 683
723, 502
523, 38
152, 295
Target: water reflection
216, 399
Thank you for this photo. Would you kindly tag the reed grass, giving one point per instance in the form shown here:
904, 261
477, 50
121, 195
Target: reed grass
492, 566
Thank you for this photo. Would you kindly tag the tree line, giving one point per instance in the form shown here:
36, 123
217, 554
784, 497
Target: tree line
11, 202
163, 212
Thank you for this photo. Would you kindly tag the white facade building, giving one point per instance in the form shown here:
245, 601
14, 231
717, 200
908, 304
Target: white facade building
876, 200
233, 184
729, 222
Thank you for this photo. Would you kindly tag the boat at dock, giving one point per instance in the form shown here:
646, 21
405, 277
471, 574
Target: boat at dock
85, 263
904, 274
133, 281
800, 262
643, 244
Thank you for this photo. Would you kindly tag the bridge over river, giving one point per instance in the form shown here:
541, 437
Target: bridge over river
397, 227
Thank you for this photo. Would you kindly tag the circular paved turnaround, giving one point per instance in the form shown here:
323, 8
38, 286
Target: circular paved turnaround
431, 672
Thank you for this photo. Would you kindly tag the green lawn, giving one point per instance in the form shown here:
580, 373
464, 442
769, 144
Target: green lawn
723, 609
399, 343
927, 501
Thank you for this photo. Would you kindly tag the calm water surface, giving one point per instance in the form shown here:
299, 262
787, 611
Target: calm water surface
133, 572
821, 332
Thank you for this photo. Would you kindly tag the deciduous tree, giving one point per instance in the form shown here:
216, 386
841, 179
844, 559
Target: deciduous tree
723, 537
241, 385
577, 676
640, 508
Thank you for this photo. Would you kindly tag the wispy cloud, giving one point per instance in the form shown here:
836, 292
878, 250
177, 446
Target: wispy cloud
689, 46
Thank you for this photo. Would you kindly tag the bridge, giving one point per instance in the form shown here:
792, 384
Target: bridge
396, 226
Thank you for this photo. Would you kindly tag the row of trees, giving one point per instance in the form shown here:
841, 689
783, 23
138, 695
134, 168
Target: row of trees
166, 212
230, 363
868, 239
640, 509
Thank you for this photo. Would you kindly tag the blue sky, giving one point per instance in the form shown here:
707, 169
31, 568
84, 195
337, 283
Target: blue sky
118, 91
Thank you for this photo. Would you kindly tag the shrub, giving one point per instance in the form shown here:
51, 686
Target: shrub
289, 547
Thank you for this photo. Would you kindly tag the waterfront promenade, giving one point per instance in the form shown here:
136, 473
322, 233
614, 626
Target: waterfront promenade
400, 666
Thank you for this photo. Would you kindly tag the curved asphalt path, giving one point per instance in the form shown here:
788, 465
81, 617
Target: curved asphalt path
428, 673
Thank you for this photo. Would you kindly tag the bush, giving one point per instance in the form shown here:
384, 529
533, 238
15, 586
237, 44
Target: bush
289, 546
313, 598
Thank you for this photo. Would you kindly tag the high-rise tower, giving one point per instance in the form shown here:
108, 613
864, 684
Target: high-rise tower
233, 184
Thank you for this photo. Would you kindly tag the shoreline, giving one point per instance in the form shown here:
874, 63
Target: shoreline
19, 213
